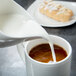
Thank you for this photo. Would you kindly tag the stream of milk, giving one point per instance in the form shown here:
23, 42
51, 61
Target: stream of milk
17, 26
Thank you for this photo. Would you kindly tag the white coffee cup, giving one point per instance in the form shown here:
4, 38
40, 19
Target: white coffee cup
35, 68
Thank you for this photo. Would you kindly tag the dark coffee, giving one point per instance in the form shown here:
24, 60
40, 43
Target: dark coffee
43, 53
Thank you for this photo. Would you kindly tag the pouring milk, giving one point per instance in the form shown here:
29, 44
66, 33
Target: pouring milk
16, 26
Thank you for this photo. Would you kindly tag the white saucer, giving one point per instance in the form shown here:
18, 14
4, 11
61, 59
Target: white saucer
48, 22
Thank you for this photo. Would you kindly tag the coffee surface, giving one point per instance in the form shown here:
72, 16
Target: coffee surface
42, 53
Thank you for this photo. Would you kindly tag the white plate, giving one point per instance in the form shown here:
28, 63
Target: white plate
48, 22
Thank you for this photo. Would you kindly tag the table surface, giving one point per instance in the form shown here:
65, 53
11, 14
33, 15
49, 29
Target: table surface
10, 61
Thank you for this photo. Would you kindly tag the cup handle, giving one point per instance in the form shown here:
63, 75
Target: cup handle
21, 51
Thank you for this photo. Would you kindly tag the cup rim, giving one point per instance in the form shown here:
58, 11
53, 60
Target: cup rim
69, 55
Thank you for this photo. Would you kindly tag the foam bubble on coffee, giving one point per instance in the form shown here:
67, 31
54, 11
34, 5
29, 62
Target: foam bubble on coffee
50, 62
